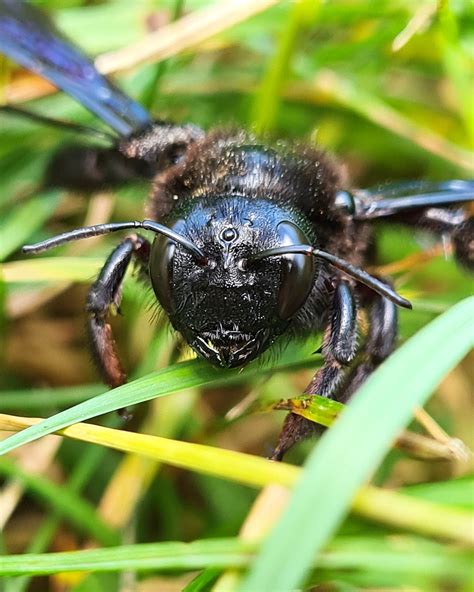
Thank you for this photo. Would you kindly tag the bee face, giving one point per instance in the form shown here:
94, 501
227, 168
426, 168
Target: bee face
228, 307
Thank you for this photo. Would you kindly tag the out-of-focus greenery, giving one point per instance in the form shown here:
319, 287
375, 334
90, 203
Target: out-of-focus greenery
386, 88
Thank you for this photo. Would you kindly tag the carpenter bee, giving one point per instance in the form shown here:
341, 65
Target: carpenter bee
249, 242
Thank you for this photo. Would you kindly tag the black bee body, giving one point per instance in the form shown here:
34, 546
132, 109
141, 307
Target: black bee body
233, 198
252, 244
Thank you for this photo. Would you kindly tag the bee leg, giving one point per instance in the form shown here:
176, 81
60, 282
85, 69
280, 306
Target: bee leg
339, 349
104, 293
463, 243
90, 168
454, 225
380, 342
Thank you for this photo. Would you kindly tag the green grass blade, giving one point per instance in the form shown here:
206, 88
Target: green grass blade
179, 377
384, 506
3, 320
268, 96
348, 453
376, 110
71, 507
53, 269
174, 555
458, 65
315, 408
80, 476
25, 219
408, 555
40, 399
455, 492
203, 581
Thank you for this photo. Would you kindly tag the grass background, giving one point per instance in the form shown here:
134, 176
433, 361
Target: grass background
386, 88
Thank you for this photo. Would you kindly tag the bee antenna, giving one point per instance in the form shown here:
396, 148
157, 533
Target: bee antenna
98, 229
354, 272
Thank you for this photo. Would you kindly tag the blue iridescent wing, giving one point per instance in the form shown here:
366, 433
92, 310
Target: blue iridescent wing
28, 38
388, 200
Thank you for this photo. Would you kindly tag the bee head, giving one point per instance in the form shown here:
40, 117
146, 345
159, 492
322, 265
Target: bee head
228, 306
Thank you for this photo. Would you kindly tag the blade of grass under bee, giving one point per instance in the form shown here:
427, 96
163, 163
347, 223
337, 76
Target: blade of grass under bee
388, 507
315, 408
227, 464
157, 384
323, 411
348, 453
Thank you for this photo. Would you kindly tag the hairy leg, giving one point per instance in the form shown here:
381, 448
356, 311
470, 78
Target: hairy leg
453, 224
339, 349
104, 293
338, 379
381, 338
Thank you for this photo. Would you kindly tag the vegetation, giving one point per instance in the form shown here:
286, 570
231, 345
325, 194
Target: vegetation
189, 502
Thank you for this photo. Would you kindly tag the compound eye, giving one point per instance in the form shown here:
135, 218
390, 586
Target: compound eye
161, 265
297, 272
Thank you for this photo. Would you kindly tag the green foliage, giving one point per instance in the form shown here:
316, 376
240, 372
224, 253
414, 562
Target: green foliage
386, 88
406, 381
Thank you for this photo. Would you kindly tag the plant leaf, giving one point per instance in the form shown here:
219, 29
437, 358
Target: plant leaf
22, 221
351, 450
181, 376
384, 506
407, 555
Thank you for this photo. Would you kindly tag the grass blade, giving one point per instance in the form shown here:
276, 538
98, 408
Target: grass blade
336, 468
158, 384
302, 13
67, 503
23, 220
39, 399
53, 269
388, 507
408, 555
218, 552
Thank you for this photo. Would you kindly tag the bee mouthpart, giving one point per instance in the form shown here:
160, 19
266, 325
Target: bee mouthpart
229, 349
